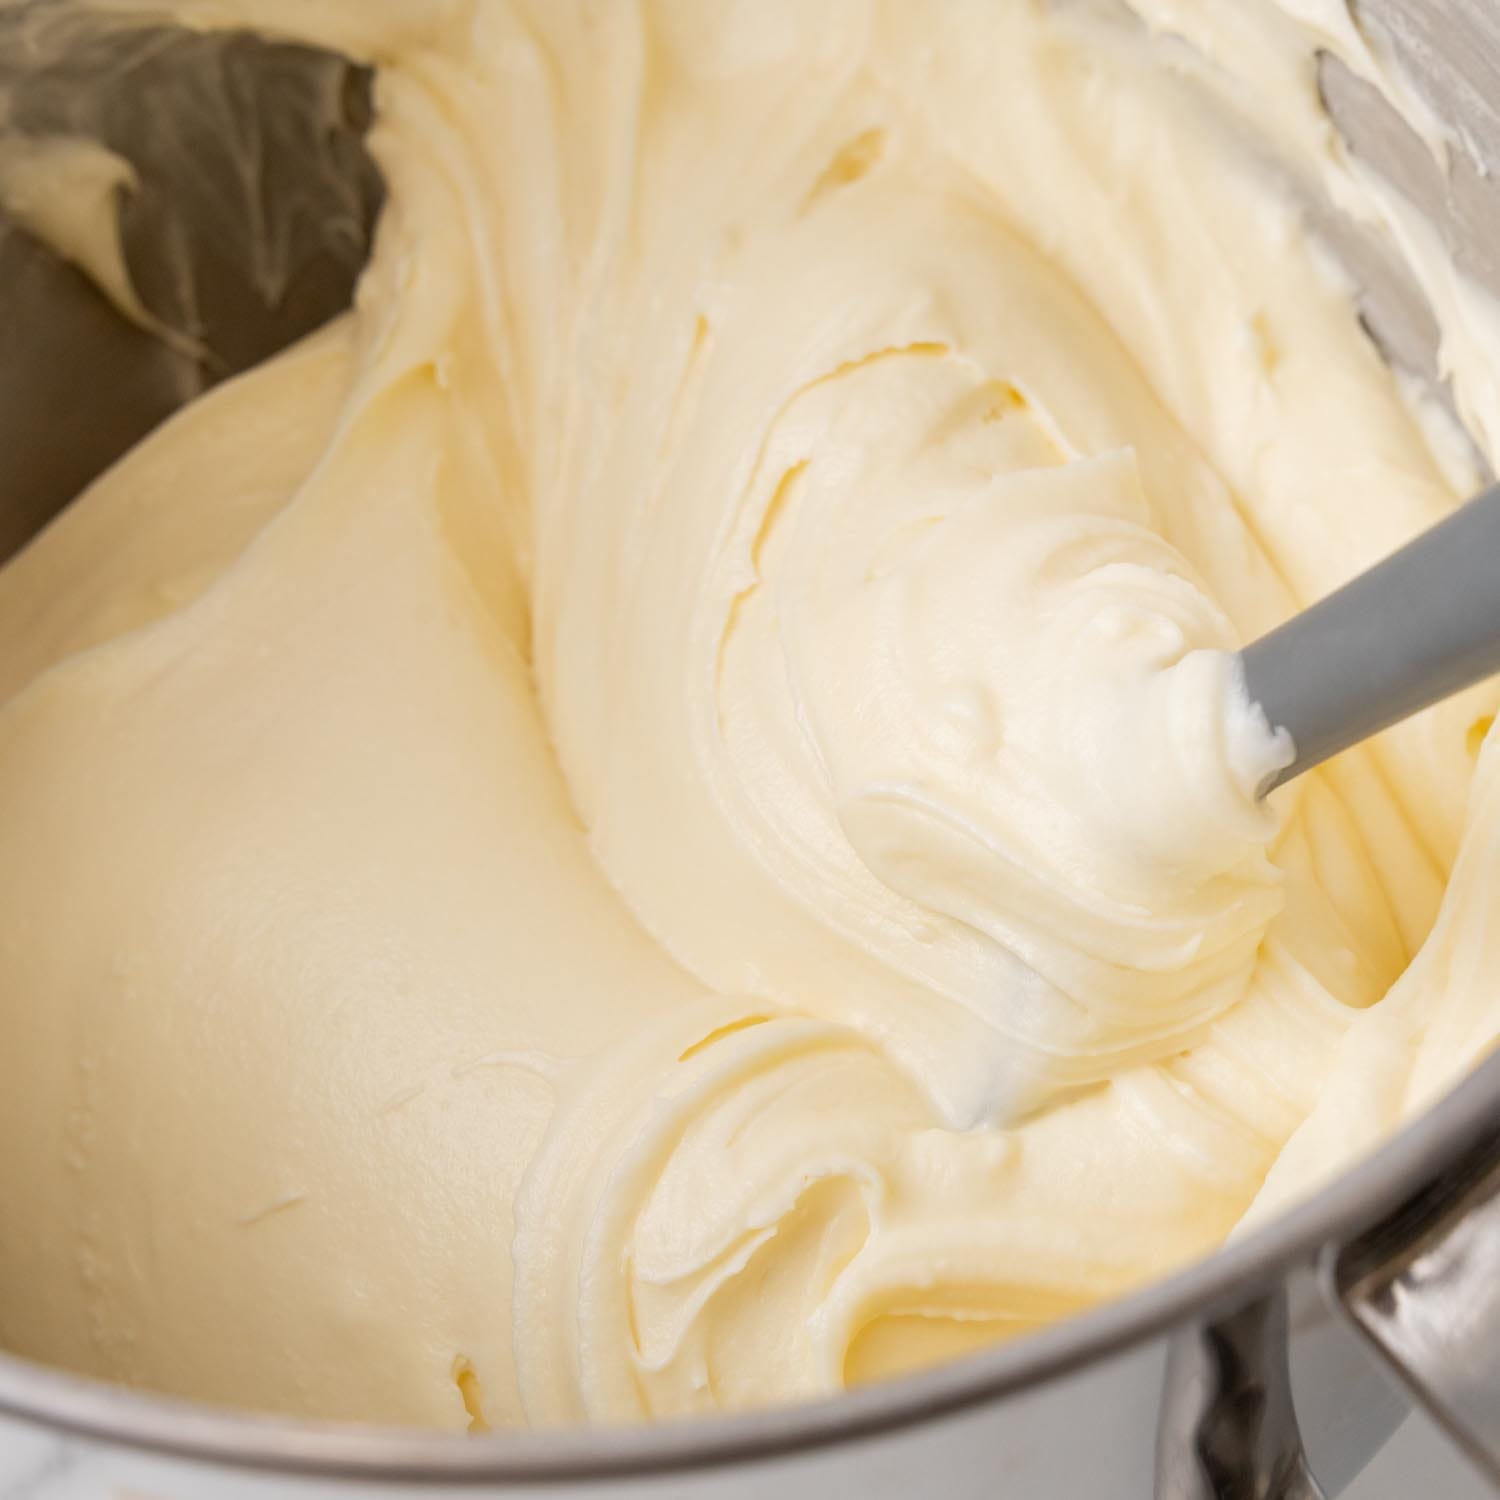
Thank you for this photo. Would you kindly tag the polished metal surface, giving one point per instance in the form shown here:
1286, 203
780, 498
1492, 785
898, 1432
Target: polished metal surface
1228, 1425
250, 218
1245, 1375
1424, 1287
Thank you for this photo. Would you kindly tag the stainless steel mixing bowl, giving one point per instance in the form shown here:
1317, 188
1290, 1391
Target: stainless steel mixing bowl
1274, 1369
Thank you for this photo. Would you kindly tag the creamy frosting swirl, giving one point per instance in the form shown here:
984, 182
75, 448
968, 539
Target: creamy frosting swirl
660, 819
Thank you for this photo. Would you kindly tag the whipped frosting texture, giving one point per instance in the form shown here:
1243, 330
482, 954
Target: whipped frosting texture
661, 818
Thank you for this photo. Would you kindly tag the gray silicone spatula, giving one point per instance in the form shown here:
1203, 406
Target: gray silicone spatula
1418, 627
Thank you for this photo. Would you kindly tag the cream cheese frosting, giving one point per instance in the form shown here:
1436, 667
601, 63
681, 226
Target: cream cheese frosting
660, 818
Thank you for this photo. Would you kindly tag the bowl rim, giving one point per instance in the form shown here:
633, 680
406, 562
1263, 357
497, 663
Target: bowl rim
1466, 1118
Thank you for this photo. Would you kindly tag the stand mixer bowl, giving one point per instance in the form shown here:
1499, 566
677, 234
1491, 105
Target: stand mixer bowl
1266, 1370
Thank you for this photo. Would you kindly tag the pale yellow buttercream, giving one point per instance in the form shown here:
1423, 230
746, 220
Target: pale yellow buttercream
658, 819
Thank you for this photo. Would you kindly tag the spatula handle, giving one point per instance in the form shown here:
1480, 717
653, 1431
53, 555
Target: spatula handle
1418, 627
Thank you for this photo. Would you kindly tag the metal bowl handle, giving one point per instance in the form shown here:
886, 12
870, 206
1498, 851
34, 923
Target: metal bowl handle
1422, 1288
1228, 1425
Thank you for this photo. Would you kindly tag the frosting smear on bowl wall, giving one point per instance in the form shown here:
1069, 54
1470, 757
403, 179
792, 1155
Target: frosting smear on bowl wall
660, 817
